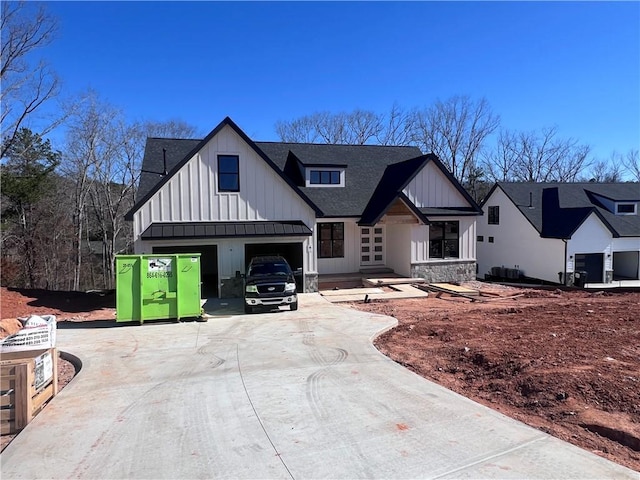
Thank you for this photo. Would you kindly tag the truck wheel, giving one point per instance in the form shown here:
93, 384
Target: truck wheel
294, 306
247, 309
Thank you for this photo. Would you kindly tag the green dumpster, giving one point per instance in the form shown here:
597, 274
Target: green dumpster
157, 287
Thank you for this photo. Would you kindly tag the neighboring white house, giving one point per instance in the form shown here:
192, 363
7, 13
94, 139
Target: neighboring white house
328, 209
550, 231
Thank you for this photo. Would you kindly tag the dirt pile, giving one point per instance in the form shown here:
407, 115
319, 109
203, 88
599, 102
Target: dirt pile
566, 362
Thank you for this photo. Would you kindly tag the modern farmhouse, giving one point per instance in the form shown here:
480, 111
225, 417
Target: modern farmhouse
570, 233
328, 209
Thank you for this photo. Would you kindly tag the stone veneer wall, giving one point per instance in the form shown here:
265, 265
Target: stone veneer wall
310, 282
445, 271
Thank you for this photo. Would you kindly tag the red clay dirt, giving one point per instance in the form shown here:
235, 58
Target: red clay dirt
66, 306
565, 362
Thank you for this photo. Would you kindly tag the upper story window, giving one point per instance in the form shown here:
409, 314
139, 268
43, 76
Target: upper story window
625, 208
494, 215
228, 173
325, 177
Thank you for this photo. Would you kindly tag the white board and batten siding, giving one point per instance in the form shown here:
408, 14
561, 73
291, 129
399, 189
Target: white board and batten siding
467, 239
192, 195
516, 243
431, 188
351, 260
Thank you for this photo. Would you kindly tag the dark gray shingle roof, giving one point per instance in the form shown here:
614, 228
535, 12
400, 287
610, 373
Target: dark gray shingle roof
575, 201
365, 166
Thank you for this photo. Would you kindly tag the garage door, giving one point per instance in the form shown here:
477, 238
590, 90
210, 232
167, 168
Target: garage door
292, 252
625, 265
593, 264
208, 265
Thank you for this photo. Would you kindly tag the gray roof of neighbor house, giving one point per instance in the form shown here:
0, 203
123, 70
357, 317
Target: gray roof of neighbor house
365, 167
556, 210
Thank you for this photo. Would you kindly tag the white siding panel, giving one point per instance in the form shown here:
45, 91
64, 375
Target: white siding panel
467, 235
626, 244
351, 261
419, 243
191, 195
398, 248
517, 244
431, 188
592, 237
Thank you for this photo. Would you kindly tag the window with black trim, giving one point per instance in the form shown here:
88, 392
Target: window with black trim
228, 173
324, 177
444, 240
330, 240
626, 208
494, 215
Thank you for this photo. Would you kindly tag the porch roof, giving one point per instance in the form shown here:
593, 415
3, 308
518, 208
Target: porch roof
446, 212
186, 230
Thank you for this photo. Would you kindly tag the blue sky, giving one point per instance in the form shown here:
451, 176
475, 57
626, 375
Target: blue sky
573, 65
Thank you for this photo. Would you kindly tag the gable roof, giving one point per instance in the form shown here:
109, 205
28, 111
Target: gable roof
364, 166
375, 174
556, 210
390, 187
152, 162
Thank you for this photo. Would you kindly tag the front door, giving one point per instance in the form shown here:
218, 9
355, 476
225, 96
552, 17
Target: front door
371, 246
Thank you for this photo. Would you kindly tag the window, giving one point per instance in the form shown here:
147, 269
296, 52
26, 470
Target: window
481, 238
324, 177
444, 240
494, 215
228, 173
622, 208
330, 240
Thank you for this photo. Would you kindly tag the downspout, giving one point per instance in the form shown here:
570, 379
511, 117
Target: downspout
564, 274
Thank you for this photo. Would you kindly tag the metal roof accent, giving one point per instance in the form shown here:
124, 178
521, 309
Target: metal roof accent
183, 230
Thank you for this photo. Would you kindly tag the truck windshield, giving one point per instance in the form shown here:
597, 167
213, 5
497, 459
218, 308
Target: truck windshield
269, 269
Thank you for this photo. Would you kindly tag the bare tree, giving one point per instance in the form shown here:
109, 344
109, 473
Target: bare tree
631, 163
174, 128
544, 157
456, 130
25, 87
356, 128
396, 128
300, 130
609, 171
89, 142
500, 163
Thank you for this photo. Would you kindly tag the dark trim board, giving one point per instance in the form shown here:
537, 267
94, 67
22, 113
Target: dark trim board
187, 230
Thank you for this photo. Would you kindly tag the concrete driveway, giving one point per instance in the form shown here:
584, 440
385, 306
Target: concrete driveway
276, 395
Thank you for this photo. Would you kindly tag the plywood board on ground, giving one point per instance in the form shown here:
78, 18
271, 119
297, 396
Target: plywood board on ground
350, 291
455, 288
399, 291
381, 282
